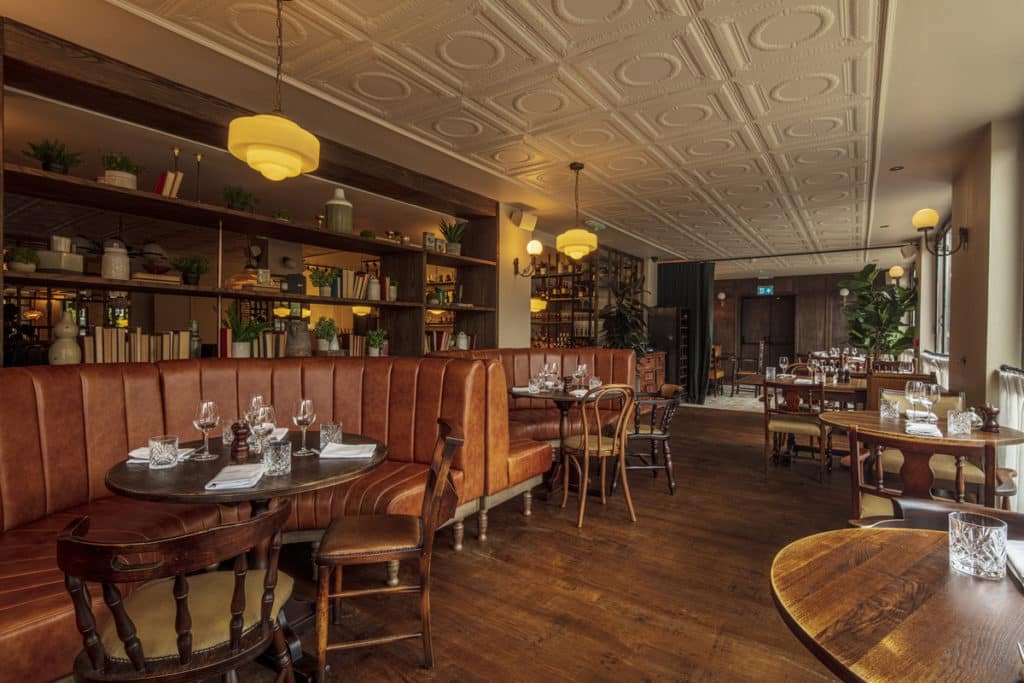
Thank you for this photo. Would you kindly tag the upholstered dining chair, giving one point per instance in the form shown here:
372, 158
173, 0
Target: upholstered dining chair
177, 625
652, 420
606, 411
792, 411
369, 539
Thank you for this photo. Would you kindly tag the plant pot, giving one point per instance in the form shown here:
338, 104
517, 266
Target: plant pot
372, 351
19, 267
129, 181
323, 345
454, 248
325, 291
241, 349
54, 167
190, 278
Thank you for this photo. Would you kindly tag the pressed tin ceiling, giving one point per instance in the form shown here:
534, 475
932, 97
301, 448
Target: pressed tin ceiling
713, 128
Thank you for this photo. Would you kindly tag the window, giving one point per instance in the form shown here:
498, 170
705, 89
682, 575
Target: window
943, 273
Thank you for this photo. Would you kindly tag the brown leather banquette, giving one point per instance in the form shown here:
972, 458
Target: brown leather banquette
62, 428
536, 419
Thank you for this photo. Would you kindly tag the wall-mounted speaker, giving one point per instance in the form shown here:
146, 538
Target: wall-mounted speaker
527, 220
908, 251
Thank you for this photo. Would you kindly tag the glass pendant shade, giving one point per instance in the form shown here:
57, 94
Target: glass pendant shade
361, 310
275, 146
537, 305
576, 243
925, 219
896, 272
534, 247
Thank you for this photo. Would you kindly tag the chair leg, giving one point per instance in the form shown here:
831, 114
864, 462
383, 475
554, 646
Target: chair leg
482, 525
229, 677
625, 490
323, 584
566, 459
282, 656
584, 483
654, 457
667, 456
392, 573
527, 503
314, 548
336, 603
428, 648
458, 532
767, 451
604, 470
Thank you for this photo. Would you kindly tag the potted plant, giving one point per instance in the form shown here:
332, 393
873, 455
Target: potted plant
120, 171
326, 332
877, 315
368, 234
375, 341
323, 278
22, 260
624, 324
54, 156
243, 333
281, 215
191, 268
452, 231
237, 198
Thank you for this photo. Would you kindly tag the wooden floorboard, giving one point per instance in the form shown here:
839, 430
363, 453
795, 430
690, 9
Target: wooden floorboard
682, 595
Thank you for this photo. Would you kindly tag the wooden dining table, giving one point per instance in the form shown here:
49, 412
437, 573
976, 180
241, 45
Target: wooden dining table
884, 605
855, 391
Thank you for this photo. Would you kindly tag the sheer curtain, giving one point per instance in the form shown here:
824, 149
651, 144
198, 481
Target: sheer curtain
937, 363
1011, 414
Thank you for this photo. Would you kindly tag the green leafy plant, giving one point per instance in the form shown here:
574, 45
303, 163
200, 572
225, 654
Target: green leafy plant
625, 323
281, 215
877, 315
53, 154
452, 230
325, 329
375, 338
198, 265
369, 234
322, 277
120, 162
23, 255
237, 198
243, 331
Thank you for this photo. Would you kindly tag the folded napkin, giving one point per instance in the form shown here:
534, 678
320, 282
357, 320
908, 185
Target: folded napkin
783, 375
348, 450
578, 393
920, 415
142, 454
235, 477
521, 390
802, 380
923, 429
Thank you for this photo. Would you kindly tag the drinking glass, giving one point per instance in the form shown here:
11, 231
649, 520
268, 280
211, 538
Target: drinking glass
769, 373
912, 390
277, 457
783, 362
959, 422
977, 545
227, 436
303, 417
206, 418
265, 422
594, 382
330, 433
889, 410
906, 367
535, 385
163, 452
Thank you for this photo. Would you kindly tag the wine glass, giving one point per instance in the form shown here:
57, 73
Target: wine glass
255, 403
912, 391
931, 395
303, 417
783, 363
206, 418
265, 422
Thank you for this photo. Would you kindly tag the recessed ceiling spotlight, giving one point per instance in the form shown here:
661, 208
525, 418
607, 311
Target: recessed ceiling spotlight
896, 168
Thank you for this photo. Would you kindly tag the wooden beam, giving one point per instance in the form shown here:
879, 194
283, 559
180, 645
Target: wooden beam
43, 64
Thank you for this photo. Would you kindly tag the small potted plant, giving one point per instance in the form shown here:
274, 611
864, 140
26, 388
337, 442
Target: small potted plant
281, 215
243, 333
452, 231
375, 342
54, 155
326, 332
323, 278
368, 234
237, 198
22, 260
120, 171
191, 268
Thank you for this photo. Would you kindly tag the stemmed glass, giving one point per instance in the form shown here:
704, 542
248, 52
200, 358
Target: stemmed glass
912, 391
930, 395
303, 417
255, 403
206, 418
265, 421
783, 363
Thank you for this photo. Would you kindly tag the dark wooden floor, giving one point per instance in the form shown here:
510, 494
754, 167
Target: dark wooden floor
680, 595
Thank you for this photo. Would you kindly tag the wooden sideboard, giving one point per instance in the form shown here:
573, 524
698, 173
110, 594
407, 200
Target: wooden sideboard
650, 372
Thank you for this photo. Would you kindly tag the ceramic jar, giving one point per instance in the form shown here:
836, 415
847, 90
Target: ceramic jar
116, 265
338, 213
373, 289
65, 351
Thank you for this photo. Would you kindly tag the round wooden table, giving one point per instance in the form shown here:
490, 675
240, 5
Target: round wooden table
884, 605
564, 401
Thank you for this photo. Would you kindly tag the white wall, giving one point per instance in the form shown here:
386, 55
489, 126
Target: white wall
513, 291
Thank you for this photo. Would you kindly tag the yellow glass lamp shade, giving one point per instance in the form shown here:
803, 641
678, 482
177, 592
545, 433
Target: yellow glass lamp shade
576, 243
361, 310
896, 272
435, 311
537, 305
534, 247
273, 145
282, 311
925, 219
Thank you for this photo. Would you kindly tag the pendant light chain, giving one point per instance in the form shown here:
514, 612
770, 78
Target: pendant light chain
577, 196
280, 57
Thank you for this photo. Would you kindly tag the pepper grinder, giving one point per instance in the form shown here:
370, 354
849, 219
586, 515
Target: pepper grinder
988, 416
240, 446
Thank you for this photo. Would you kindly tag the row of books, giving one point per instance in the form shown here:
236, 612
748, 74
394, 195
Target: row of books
123, 345
351, 284
168, 183
270, 344
443, 340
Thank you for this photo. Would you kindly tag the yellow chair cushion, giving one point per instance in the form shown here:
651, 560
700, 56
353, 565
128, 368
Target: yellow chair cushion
875, 506
152, 609
646, 429
943, 466
717, 374
943, 406
605, 443
807, 426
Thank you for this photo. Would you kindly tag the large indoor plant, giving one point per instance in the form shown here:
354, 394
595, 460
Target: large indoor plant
624, 318
243, 333
877, 316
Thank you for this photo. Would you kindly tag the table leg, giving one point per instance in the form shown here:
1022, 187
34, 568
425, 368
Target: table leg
559, 469
990, 477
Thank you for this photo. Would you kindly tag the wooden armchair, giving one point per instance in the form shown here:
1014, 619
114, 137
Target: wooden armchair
652, 419
176, 626
792, 410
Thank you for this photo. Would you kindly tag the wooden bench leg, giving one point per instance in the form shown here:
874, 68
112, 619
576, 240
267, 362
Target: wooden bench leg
527, 503
482, 525
458, 531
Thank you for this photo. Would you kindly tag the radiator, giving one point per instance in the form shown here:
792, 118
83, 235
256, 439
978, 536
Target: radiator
937, 363
1011, 414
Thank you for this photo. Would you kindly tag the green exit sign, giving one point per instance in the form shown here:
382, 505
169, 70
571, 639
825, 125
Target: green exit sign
765, 290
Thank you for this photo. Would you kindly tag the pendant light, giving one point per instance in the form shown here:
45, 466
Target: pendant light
270, 143
576, 242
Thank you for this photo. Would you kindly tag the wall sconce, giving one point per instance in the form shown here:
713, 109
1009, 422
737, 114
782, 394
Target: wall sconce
844, 292
361, 310
925, 220
896, 272
721, 299
533, 248
538, 305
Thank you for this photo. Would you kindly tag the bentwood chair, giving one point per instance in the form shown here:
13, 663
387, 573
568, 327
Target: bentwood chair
611, 405
791, 411
176, 625
652, 420
369, 539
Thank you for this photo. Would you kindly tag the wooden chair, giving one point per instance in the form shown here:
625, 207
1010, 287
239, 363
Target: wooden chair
933, 515
873, 501
716, 375
369, 539
598, 443
792, 410
176, 626
652, 419
891, 380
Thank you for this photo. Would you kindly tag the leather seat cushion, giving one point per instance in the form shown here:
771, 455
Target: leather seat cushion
370, 535
808, 426
875, 506
526, 459
152, 609
605, 444
393, 488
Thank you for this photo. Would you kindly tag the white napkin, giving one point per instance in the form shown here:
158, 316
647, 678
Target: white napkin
923, 429
578, 393
784, 375
520, 390
142, 454
348, 450
235, 477
920, 415
801, 380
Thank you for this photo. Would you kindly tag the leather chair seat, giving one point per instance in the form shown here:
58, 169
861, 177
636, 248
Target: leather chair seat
527, 458
606, 444
370, 534
805, 426
152, 609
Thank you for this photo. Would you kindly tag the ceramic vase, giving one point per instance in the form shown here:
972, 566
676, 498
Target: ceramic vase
323, 345
241, 349
372, 351
65, 351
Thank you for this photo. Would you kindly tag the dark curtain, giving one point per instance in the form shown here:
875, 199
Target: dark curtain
691, 287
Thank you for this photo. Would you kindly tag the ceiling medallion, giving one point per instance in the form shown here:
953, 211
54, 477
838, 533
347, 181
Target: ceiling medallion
576, 242
270, 143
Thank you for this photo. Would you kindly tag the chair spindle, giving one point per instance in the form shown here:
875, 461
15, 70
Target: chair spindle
182, 619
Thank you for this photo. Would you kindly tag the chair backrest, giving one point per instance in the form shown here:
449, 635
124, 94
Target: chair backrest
891, 380
916, 476
611, 405
934, 515
440, 497
788, 400
799, 369
110, 564
662, 409
948, 401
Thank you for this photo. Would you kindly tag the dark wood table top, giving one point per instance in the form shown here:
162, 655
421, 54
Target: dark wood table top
185, 483
872, 422
855, 386
884, 605
548, 395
